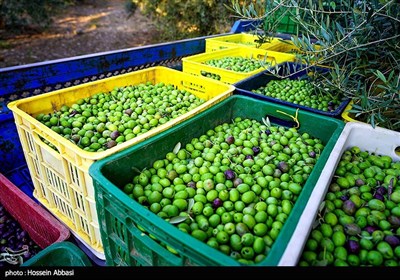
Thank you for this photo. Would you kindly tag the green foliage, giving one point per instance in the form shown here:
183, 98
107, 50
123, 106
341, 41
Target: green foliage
359, 40
187, 19
22, 13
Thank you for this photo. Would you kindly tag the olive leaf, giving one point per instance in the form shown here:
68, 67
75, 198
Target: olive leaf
190, 204
321, 206
178, 219
266, 121
365, 237
54, 106
316, 223
390, 189
325, 35
177, 148
136, 169
321, 263
357, 40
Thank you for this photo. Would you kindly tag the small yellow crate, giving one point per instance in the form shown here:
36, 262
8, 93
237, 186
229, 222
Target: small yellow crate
61, 176
196, 64
238, 40
286, 46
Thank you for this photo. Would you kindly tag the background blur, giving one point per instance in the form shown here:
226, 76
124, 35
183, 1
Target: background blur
39, 30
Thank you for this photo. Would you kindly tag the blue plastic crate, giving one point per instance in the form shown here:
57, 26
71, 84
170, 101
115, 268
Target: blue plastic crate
13, 164
11, 154
246, 86
21, 178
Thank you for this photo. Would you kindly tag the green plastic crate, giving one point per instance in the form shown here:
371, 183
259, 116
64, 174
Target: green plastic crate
121, 218
59, 254
285, 24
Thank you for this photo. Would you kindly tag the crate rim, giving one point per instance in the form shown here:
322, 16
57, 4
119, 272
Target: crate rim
242, 34
71, 247
196, 59
337, 113
13, 106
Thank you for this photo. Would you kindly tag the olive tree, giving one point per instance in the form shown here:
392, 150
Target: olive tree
22, 13
358, 40
187, 19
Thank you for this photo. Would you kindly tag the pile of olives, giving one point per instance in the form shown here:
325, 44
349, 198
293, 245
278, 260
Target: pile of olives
300, 92
359, 220
104, 120
210, 75
233, 187
16, 246
236, 63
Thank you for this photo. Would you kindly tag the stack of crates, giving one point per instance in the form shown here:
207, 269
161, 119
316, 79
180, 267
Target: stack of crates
84, 189
242, 45
238, 40
60, 174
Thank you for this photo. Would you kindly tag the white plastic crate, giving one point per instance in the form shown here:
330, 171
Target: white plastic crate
381, 141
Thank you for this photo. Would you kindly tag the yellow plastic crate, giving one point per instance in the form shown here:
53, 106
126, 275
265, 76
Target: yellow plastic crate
237, 40
61, 177
286, 46
195, 64
346, 116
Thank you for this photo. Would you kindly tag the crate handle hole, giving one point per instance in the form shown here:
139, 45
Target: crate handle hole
397, 150
210, 75
50, 147
282, 122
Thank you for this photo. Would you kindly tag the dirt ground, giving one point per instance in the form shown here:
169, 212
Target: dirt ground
79, 30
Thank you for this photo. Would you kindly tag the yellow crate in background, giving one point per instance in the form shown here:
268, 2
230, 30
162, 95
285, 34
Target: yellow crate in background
287, 46
346, 116
238, 40
61, 176
195, 64
249, 40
